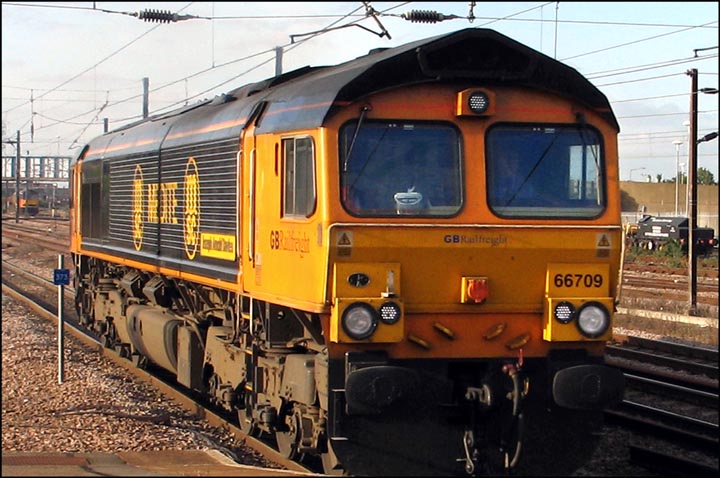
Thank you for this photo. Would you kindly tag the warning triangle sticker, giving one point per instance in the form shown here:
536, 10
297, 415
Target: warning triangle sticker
344, 240
603, 242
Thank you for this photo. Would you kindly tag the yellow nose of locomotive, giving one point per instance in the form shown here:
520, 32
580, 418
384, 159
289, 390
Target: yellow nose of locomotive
367, 303
577, 303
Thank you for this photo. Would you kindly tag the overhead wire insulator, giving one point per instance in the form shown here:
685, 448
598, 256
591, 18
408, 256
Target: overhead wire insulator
424, 16
160, 16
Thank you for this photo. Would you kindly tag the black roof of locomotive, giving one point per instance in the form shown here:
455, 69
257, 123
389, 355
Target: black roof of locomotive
306, 97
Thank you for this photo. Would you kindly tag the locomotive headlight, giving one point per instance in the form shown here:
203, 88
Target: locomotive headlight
478, 102
359, 320
564, 312
390, 313
593, 319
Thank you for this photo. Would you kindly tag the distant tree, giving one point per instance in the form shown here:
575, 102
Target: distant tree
659, 178
627, 202
704, 176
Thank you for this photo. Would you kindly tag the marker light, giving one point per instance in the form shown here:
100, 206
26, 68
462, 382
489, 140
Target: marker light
564, 312
359, 320
389, 313
478, 102
475, 102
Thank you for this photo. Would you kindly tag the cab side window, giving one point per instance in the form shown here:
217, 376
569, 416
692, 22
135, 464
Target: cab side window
299, 184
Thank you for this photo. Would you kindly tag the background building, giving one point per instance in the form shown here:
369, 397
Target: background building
658, 199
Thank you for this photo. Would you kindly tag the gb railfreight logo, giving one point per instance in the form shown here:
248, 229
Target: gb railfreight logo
191, 225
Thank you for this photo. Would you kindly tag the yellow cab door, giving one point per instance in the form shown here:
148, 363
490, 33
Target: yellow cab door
248, 203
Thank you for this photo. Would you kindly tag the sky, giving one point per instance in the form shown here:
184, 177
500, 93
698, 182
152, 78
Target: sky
68, 66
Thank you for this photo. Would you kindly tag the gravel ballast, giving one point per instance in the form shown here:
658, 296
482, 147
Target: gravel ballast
98, 407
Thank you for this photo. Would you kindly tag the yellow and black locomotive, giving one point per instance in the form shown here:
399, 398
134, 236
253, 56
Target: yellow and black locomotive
29, 202
404, 264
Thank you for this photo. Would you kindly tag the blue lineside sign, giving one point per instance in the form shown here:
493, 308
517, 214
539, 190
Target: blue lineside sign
61, 277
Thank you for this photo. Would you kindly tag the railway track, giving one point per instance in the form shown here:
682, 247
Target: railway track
669, 465
38, 302
671, 398
676, 356
674, 283
632, 353
50, 239
645, 419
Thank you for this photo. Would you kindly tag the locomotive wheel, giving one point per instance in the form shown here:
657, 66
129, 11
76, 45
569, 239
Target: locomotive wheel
246, 421
330, 462
288, 440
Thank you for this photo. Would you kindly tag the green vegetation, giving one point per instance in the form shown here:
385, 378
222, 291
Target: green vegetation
704, 176
670, 255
